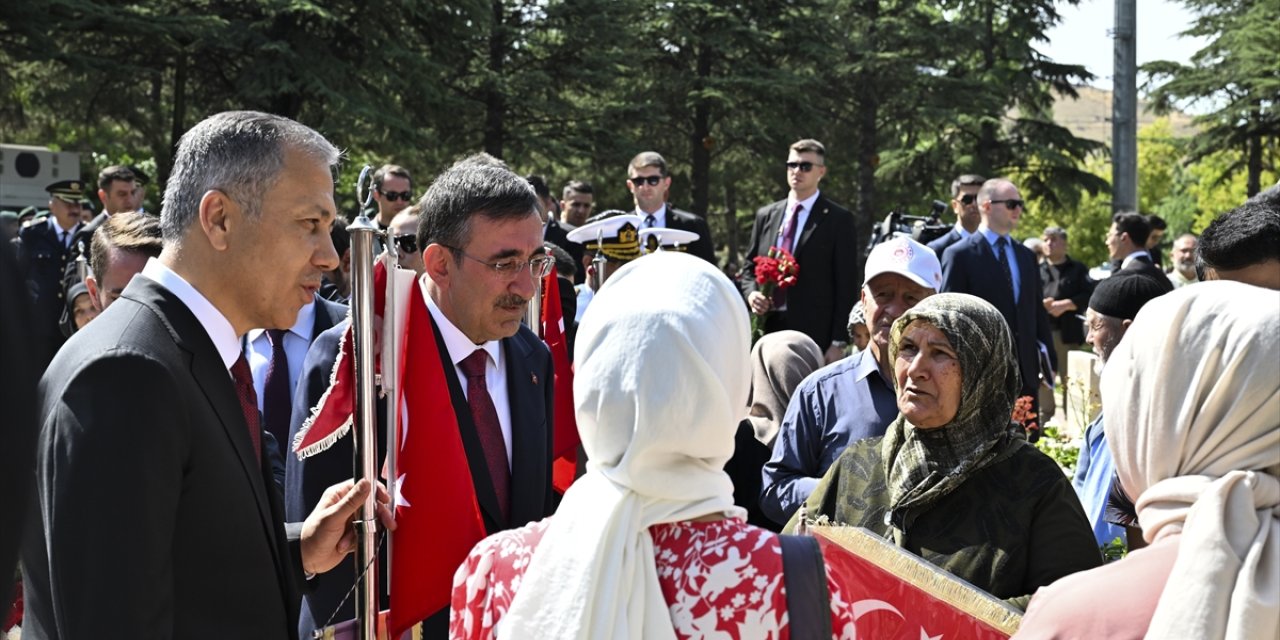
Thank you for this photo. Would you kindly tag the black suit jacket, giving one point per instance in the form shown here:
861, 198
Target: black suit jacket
1143, 266
1073, 284
704, 246
939, 245
160, 520
43, 261
970, 267
532, 407
827, 285
558, 234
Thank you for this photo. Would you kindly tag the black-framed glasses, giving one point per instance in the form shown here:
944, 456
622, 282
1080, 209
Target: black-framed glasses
406, 243
651, 180
968, 198
392, 196
804, 167
511, 267
1011, 203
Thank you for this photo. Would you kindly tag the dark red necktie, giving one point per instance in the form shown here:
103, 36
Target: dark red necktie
786, 241
485, 417
248, 403
277, 396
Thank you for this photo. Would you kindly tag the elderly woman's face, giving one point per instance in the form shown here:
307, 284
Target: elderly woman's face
928, 376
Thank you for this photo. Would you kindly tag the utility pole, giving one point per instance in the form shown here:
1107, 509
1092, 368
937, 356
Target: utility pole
1124, 109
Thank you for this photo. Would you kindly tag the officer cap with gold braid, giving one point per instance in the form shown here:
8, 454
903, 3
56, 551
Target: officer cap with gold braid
655, 238
615, 236
68, 191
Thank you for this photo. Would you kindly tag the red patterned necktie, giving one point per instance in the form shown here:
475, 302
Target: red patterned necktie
248, 403
485, 417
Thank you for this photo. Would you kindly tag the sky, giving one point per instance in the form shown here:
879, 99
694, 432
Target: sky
1083, 35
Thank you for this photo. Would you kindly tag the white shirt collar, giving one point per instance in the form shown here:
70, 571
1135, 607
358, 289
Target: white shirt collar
53, 224
807, 202
1128, 260
659, 216
301, 327
215, 324
457, 342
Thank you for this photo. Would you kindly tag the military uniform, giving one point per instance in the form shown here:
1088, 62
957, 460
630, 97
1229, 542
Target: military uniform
45, 251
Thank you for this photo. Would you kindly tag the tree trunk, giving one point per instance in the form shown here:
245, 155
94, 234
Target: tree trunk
700, 138
494, 101
731, 223
1254, 150
984, 159
868, 139
178, 124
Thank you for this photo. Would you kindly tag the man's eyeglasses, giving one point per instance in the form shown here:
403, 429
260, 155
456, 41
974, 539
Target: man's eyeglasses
538, 267
1011, 203
804, 167
406, 243
392, 196
652, 180
968, 198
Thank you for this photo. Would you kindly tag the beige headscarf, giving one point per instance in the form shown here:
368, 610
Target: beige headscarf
779, 362
1192, 397
660, 382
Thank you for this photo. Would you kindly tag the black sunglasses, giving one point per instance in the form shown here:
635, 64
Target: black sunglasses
406, 243
1011, 203
968, 198
804, 167
392, 196
652, 180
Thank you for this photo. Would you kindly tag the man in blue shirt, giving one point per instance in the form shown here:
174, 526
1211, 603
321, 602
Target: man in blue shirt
853, 398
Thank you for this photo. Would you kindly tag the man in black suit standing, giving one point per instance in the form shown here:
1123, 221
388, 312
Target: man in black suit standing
45, 253
1126, 244
481, 241
990, 265
650, 185
201, 550
821, 236
964, 203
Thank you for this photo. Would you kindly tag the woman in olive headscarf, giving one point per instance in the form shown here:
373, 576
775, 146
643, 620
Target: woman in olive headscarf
950, 481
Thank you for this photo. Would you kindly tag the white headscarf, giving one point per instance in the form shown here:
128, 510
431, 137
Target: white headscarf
1192, 397
661, 376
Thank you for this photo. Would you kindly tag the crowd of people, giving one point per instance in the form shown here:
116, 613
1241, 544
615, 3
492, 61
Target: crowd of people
164, 499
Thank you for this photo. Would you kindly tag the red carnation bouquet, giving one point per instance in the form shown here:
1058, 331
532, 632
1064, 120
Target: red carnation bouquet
776, 271
1025, 418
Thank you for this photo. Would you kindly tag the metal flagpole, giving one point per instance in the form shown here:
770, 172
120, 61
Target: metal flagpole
363, 233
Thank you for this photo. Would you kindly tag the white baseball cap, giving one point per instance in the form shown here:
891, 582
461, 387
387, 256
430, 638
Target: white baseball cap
907, 258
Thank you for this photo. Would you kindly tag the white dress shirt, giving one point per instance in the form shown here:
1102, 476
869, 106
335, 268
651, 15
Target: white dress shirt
215, 324
1129, 259
296, 343
495, 369
659, 217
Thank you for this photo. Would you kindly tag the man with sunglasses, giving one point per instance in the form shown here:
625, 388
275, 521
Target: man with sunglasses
964, 203
479, 246
392, 192
821, 236
990, 265
650, 186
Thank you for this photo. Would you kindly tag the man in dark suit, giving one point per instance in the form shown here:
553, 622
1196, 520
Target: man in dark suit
964, 203
650, 185
481, 241
45, 253
821, 236
118, 189
553, 230
1126, 244
990, 265
201, 550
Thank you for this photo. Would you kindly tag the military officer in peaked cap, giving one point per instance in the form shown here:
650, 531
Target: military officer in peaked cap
611, 240
45, 250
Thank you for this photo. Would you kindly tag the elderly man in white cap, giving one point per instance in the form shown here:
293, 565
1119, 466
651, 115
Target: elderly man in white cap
853, 398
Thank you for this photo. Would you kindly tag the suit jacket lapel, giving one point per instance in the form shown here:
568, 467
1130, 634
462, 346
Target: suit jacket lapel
992, 265
523, 390
816, 215
485, 493
325, 317
773, 226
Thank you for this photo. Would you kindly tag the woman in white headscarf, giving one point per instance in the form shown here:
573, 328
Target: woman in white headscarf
647, 544
1193, 420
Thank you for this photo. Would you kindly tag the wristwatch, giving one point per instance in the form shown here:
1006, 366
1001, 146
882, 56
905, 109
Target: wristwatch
840, 344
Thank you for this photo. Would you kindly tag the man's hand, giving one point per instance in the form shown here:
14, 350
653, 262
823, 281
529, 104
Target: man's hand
1058, 307
328, 534
760, 304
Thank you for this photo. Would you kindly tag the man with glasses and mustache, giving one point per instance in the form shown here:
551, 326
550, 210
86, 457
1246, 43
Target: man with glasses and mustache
479, 246
650, 185
392, 192
964, 203
821, 236
990, 265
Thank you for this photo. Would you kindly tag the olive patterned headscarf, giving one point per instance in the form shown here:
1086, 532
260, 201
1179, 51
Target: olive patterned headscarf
923, 465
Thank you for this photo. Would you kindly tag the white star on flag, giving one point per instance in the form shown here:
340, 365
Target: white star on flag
399, 499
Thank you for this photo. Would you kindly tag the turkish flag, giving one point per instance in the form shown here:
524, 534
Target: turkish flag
896, 594
437, 515
565, 439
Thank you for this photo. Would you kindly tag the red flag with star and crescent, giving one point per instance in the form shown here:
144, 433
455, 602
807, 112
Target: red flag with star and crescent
565, 439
